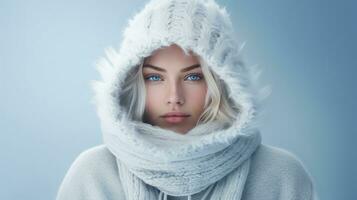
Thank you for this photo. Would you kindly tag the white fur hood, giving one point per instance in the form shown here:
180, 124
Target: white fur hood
198, 25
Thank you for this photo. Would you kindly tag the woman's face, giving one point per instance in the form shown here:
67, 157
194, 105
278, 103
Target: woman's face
174, 83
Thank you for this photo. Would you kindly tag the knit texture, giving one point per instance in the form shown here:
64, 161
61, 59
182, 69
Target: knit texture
155, 162
275, 174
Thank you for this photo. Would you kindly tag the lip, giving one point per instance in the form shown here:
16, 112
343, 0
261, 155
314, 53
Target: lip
175, 114
175, 117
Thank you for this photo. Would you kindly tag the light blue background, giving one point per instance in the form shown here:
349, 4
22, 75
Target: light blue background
307, 50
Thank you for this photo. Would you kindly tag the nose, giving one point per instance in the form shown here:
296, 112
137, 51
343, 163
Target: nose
175, 94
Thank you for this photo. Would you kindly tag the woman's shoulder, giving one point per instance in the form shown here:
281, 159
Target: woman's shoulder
93, 171
276, 172
96, 162
275, 158
96, 157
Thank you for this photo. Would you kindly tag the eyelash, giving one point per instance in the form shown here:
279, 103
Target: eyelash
193, 74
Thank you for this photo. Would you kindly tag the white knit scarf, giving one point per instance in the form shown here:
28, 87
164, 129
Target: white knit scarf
155, 162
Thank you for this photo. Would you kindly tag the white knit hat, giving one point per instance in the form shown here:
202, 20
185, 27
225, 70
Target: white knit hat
197, 25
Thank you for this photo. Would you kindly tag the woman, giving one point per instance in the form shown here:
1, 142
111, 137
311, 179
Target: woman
178, 113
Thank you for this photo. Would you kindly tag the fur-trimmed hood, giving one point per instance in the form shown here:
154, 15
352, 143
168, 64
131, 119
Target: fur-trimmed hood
200, 26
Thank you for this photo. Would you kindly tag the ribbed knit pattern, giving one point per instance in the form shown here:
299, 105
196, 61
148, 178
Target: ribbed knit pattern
155, 162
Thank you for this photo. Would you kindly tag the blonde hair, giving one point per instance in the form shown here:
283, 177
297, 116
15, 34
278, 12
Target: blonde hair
218, 106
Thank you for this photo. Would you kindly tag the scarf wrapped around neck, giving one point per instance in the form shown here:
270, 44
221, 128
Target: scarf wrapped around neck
181, 165
154, 162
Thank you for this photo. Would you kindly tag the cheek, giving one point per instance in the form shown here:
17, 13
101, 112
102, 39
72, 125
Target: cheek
199, 96
153, 97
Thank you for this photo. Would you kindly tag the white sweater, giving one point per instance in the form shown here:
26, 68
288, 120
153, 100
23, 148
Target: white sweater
275, 174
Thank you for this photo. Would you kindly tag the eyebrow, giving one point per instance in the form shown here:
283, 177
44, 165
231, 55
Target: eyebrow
163, 70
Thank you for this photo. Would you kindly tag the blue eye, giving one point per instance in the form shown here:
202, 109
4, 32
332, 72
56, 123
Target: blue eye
155, 78
190, 77
196, 77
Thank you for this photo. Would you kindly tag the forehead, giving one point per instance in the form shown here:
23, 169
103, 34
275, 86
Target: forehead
171, 56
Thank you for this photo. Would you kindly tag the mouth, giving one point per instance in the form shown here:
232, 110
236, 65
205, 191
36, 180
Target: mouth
175, 119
